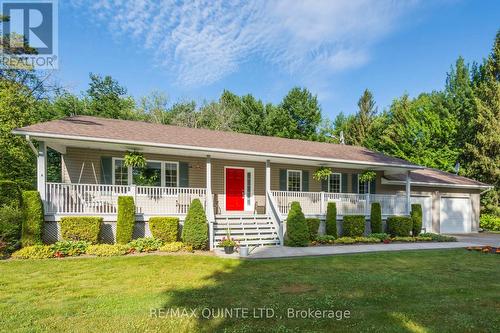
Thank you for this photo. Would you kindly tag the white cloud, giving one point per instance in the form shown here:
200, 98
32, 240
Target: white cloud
202, 41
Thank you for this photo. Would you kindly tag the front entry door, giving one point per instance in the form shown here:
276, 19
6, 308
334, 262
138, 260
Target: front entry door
235, 189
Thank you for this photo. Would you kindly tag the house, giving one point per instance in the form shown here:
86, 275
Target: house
246, 182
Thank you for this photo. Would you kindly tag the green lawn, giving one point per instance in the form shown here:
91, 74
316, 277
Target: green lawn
425, 291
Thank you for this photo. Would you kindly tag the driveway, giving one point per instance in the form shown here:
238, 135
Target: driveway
483, 238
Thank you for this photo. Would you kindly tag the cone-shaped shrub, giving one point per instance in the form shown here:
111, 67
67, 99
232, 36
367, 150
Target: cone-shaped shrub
331, 219
31, 230
416, 216
313, 227
195, 229
376, 218
126, 219
297, 233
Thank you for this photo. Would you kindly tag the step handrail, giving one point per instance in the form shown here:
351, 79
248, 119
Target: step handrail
275, 216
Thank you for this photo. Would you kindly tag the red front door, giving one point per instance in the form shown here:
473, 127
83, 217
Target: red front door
235, 189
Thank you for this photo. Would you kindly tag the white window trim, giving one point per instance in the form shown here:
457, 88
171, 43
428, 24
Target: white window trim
130, 175
367, 188
340, 182
287, 178
247, 207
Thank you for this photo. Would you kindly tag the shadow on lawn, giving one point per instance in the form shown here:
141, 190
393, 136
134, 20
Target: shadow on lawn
255, 296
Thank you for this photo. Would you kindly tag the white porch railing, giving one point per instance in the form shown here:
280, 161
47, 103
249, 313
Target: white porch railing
102, 199
315, 203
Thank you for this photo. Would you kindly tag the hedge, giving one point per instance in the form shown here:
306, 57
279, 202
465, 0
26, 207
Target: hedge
353, 226
399, 226
195, 229
331, 219
297, 233
489, 222
416, 217
313, 227
10, 229
32, 226
164, 228
81, 228
10, 194
376, 218
125, 220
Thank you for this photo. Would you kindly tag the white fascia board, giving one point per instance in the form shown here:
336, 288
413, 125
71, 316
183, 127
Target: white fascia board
386, 181
37, 135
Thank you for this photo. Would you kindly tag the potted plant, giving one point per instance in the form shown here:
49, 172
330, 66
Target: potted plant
228, 243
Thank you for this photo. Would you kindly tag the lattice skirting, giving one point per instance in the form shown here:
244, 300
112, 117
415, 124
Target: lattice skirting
52, 232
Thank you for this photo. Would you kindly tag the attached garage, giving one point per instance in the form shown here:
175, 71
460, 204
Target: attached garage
455, 215
426, 203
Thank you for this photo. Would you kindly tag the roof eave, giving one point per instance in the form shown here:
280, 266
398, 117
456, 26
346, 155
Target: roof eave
386, 181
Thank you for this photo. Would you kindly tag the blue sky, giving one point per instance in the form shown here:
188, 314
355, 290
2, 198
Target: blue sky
194, 50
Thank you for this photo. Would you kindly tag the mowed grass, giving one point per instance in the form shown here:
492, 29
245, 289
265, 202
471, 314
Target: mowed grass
418, 291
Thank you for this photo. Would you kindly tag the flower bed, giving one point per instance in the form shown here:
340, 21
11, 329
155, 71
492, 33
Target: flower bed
377, 238
484, 249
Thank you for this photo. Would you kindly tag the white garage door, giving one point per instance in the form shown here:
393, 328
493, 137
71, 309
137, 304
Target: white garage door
426, 203
455, 215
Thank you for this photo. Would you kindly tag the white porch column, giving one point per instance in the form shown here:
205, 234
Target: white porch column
268, 183
209, 173
408, 193
41, 169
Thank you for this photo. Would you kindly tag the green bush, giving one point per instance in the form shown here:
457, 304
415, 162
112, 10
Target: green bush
125, 220
297, 233
345, 240
399, 226
107, 250
406, 239
489, 222
326, 239
32, 226
69, 248
81, 228
195, 229
416, 217
172, 247
376, 218
313, 227
381, 236
147, 244
423, 239
353, 225
164, 228
10, 194
367, 240
438, 237
331, 219
10, 229
34, 252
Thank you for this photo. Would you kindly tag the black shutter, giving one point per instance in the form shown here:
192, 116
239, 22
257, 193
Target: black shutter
183, 174
373, 186
106, 170
305, 181
283, 180
354, 181
344, 183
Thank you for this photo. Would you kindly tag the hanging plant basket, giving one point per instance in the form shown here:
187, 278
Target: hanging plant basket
322, 173
367, 176
134, 159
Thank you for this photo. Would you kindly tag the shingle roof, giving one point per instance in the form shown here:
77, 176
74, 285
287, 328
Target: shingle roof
435, 176
143, 132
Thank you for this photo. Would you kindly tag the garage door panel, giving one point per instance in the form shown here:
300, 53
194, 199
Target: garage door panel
455, 215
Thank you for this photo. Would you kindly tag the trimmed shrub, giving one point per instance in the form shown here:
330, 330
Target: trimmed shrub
172, 247
147, 244
376, 218
416, 217
107, 250
10, 229
125, 220
69, 248
297, 233
438, 237
164, 228
81, 228
382, 236
367, 240
353, 226
313, 227
489, 222
32, 226
10, 194
195, 229
345, 240
34, 252
406, 239
331, 219
399, 226
326, 239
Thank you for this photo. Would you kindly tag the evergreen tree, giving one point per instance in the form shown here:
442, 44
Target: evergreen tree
363, 121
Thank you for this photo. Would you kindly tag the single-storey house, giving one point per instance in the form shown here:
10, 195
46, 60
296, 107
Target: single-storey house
246, 182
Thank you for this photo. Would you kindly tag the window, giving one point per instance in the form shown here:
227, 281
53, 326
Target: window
120, 173
334, 183
249, 183
294, 180
150, 175
363, 188
171, 174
